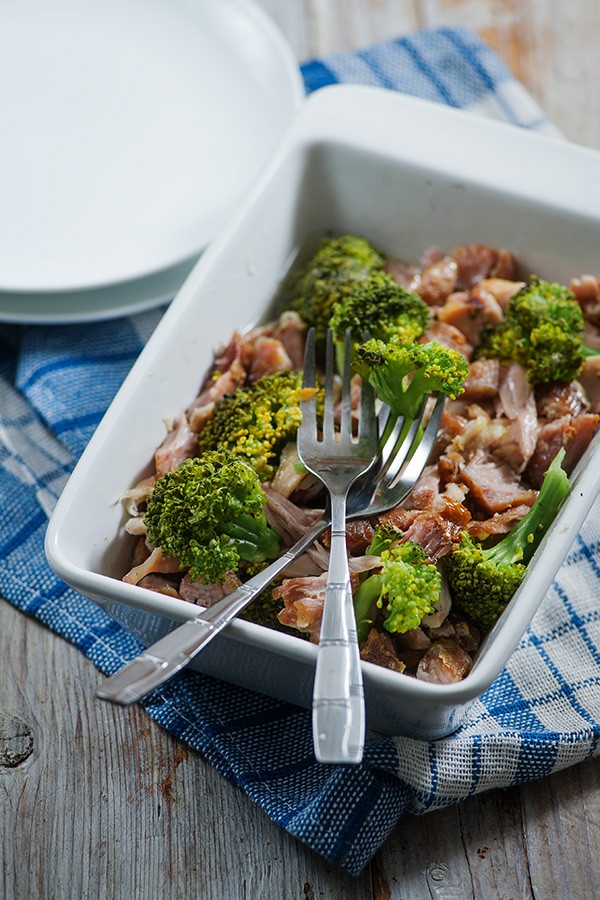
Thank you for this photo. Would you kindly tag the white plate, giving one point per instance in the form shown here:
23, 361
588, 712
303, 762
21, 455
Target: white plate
96, 304
130, 130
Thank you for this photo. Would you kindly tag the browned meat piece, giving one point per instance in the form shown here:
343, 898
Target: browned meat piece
155, 562
425, 491
449, 467
228, 372
590, 381
477, 261
587, 290
492, 486
269, 356
287, 519
500, 523
471, 312
483, 381
556, 398
401, 273
379, 649
467, 636
290, 330
446, 629
179, 444
159, 584
435, 282
574, 433
444, 663
207, 594
452, 424
501, 288
415, 639
517, 401
303, 599
359, 534
438, 530
448, 336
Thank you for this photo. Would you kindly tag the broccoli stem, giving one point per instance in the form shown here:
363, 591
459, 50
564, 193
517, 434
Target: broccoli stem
520, 544
365, 597
255, 540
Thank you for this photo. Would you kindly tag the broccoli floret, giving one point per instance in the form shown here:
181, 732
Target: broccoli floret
407, 587
404, 374
542, 329
381, 307
329, 275
483, 580
256, 421
209, 513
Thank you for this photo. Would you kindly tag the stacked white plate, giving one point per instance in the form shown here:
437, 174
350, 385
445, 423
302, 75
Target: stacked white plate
131, 129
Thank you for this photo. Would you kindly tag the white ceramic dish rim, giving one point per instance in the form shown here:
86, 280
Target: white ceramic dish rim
318, 122
116, 262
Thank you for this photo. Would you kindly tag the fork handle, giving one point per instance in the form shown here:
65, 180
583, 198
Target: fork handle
170, 654
338, 697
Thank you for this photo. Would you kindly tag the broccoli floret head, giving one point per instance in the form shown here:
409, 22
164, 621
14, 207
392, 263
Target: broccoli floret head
256, 421
483, 580
381, 307
410, 586
404, 374
330, 275
542, 329
209, 513
406, 588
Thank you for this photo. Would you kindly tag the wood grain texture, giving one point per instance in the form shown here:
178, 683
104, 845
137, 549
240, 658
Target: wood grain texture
99, 802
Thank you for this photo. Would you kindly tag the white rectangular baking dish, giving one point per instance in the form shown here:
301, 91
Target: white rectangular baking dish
407, 174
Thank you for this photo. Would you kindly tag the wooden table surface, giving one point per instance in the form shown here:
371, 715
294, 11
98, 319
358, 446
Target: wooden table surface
103, 804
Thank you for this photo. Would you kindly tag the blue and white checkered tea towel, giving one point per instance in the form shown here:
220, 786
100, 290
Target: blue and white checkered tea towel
542, 713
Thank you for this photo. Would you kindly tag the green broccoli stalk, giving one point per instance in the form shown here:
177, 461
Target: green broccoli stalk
381, 308
256, 421
408, 586
483, 580
209, 513
328, 276
542, 330
403, 375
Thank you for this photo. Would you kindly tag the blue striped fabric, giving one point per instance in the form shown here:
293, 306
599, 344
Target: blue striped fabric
541, 714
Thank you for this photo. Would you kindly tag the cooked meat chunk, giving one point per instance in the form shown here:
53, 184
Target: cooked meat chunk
572, 432
269, 356
207, 594
379, 649
483, 381
494, 487
435, 282
448, 336
556, 398
590, 382
179, 444
498, 524
444, 663
290, 330
477, 261
471, 312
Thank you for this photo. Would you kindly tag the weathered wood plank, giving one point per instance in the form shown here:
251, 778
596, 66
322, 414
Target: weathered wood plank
551, 47
108, 805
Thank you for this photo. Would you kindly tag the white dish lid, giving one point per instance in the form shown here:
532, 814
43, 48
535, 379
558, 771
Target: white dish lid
131, 129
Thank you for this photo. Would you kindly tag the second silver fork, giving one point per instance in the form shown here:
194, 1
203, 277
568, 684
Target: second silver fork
337, 458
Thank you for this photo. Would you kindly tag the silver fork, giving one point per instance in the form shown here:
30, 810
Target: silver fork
337, 459
383, 487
